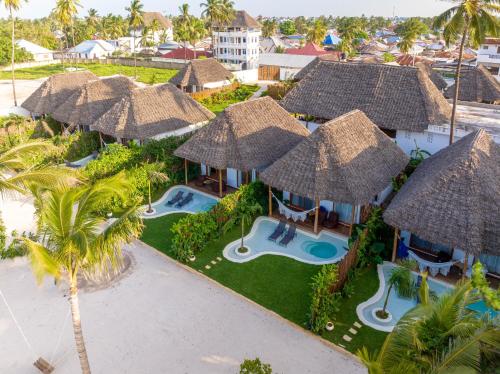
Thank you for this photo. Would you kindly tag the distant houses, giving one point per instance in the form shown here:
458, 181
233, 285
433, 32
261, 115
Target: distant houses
488, 55
39, 53
91, 49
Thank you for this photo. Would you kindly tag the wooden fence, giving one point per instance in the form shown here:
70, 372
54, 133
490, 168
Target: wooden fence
210, 91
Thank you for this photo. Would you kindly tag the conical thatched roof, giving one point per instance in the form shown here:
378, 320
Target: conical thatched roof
92, 100
348, 159
151, 111
248, 135
55, 90
201, 72
393, 97
435, 77
312, 65
477, 85
453, 198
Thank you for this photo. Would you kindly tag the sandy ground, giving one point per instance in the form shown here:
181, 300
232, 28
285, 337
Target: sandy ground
161, 318
24, 88
17, 213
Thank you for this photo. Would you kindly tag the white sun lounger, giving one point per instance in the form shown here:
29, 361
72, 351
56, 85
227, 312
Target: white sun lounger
434, 267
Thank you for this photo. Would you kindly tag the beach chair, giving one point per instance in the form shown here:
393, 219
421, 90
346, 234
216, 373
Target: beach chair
278, 231
176, 198
186, 200
290, 234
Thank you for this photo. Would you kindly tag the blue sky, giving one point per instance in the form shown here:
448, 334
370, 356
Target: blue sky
39, 8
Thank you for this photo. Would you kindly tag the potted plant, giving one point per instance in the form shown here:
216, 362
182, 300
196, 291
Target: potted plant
330, 326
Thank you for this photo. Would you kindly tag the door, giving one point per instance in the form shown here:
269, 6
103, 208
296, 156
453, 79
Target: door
269, 73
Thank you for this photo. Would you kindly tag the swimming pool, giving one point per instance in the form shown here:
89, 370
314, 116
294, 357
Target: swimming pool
201, 202
325, 248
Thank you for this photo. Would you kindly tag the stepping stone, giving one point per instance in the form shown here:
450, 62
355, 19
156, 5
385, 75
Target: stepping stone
219, 259
201, 271
213, 262
352, 331
347, 338
207, 267
357, 325
341, 345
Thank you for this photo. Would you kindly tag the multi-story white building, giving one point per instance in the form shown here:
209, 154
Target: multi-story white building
164, 32
237, 44
489, 55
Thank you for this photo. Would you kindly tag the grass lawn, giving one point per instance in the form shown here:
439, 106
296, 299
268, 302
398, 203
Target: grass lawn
278, 283
218, 105
145, 75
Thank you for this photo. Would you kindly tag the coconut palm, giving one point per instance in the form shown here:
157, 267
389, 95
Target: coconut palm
402, 281
154, 28
316, 33
65, 12
269, 27
218, 12
196, 32
244, 212
183, 26
441, 336
71, 240
155, 176
11, 6
136, 20
472, 20
92, 18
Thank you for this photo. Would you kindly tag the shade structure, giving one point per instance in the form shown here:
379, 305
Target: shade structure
55, 91
453, 197
476, 85
93, 99
150, 112
201, 72
393, 97
245, 136
348, 160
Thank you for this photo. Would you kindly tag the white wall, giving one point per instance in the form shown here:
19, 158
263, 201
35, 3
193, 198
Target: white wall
217, 84
288, 73
246, 76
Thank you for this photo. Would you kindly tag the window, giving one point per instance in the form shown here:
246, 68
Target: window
244, 51
498, 50
485, 47
244, 40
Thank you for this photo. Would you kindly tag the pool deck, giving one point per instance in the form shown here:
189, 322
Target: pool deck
309, 226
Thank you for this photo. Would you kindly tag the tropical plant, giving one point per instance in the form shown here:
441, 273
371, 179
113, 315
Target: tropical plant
71, 241
409, 31
401, 280
196, 32
287, 27
472, 19
244, 213
300, 25
316, 33
479, 282
324, 302
136, 20
155, 176
269, 28
443, 336
65, 12
92, 20
255, 367
217, 12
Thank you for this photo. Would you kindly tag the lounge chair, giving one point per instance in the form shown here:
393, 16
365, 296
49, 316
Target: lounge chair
278, 231
184, 201
290, 234
332, 220
176, 198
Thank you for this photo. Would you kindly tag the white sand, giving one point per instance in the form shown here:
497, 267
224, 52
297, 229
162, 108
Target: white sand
24, 88
17, 213
161, 318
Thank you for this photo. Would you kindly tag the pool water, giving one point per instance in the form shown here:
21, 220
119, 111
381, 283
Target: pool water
325, 248
201, 202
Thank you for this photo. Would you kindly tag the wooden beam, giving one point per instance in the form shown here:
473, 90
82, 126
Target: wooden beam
316, 216
353, 212
220, 182
186, 171
395, 244
270, 197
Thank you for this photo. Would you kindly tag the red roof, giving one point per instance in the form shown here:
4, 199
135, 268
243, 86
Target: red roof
310, 49
185, 53
494, 41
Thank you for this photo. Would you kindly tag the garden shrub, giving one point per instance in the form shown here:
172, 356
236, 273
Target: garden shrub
324, 303
255, 367
3, 235
113, 159
15, 248
191, 234
83, 144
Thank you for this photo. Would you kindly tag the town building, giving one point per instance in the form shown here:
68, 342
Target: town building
489, 55
38, 52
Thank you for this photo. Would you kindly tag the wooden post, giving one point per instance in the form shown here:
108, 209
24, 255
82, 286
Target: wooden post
466, 264
100, 139
352, 219
270, 194
395, 244
316, 216
186, 171
246, 177
220, 182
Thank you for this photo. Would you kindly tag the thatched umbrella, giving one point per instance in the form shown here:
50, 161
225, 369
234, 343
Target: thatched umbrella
55, 90
348, 160
476, 85
247, 136
453, 197
201, 72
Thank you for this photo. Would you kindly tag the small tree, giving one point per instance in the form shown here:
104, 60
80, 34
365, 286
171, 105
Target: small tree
244, 213
155, 175
255, 367
403, 282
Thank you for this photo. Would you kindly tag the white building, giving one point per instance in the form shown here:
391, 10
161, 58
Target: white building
489, 55
39, 53
164, 33
90, 49
237, 45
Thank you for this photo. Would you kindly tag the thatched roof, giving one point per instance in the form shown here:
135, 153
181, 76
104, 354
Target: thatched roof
55, 90
92, 100
151, 111
148, 18
312, 65
453, 198
394, 97
435, 77
348, 159
248, 135
476, 84
201, 72
242, 19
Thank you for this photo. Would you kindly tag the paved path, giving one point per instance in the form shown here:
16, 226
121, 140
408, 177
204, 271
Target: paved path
161, 318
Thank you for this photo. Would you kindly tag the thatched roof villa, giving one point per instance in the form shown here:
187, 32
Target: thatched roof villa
476, 85
92, 100
245, 138
453, 198
347, 160
435, 77
55, 91
202, 74
312, 65
152, 113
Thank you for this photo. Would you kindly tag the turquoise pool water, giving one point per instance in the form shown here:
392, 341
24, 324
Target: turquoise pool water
201, 203
324, 248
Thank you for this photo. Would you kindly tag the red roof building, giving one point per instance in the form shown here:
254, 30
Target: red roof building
310, 49
186, 54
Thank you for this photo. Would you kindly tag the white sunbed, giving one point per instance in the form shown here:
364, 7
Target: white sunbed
434, 267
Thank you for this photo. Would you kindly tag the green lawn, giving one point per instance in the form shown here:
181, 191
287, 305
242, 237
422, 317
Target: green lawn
145, 75
278, 283
218, 106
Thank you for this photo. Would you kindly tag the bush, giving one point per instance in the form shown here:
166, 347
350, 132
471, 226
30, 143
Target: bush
191, 234
15, 248
112, 160
255, 367
3, 235
82, 145
324, 303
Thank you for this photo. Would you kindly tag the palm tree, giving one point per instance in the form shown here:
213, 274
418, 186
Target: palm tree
244, 212
184, 21
220, 12
12, 5
155, 176
472, 19
196, 32
65, 12
136, 20
154, 28
92, 19
316, 33
269, 28
71, 241
441, 336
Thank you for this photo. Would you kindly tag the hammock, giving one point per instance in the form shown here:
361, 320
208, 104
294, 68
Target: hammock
434, 267
292, 214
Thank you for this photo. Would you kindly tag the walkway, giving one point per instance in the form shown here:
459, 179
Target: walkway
161, 318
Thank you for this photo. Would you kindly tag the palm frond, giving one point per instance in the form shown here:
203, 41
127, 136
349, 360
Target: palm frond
41, 260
